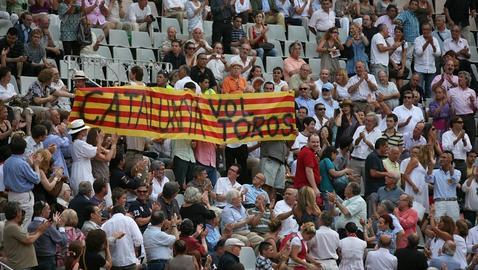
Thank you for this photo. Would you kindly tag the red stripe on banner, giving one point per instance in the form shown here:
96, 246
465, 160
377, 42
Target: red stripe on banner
196, 131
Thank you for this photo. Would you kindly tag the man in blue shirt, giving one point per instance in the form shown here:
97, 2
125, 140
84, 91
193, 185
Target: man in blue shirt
409, 21
20, 178
444, 182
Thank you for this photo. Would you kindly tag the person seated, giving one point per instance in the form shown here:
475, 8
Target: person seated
24, 27
200, 44
235, 217
263, 214
139, 14
36, 54
252, 191
175, 56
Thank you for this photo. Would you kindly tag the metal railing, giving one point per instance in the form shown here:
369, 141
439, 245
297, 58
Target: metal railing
4, 266
110, 72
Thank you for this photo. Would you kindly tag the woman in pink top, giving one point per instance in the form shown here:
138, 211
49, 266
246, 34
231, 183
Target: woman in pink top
408, 218
96, 12
293, 63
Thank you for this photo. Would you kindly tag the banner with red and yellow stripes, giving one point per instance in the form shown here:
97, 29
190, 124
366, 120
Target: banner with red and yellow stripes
166, 113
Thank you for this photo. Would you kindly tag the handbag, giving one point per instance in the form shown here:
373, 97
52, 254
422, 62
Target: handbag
266, 46
347, 52
84, 36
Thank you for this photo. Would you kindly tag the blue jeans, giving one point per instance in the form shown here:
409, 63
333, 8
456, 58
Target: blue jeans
157, 264
427, 79
46, 263
260, 53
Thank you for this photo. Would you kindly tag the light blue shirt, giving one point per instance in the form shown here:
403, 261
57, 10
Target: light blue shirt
265, 6
19, 175
308, 103
444, 184
58, 158
441, 37
253, 192
284, 8
329, 108
213, 236
411, 27
158, 244
231, 214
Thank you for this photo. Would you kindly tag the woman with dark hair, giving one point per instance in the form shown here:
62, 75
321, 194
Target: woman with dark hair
96, 242
255, 78
325, 135
346, 121
190, 53
440, 110
432, 135
438, 233
257, 34
75, 251
278, 80
396, 67
100, 163
189, 236
329, 50
332, 180
385, 226
181, 260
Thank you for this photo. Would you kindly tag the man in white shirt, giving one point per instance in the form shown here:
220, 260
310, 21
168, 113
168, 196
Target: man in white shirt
364, 143
472, 240
388, 19
381, 258
224, 184
457, 44
322, 19
323, 79
326, 99
175, 8
247, 62
283, 212
352, 209
139, 14
183, 73
123, 250
408, 114
158, 244
323, 247
457, 141
379, 50
361, 86
319, 117
35, 141
217, 63
352, 248
426, 49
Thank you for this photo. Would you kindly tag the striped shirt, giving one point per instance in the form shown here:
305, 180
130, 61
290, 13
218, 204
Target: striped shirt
411, 27
394, 140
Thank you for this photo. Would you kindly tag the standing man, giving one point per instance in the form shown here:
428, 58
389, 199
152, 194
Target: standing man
382, 258
20, 178
364, 143
426, 49
409, 21
125, 250
375, 172
222, 12
273, 159
17, 243
307, 173
445, 180
464, 103
458, 13
322, 19
379, 51
457, 141
283, 211
408, 114
323, 247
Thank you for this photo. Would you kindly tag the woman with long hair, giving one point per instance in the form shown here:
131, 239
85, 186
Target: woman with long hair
396, 68
257, 34
357, 41
325, 135
97, 252
306, 209
48, 179
100, 163
440, 110
414, 171
75, 251
329, 50
190, 53
347, 121
329, 174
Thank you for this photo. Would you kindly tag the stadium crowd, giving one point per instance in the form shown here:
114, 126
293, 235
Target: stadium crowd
382, 174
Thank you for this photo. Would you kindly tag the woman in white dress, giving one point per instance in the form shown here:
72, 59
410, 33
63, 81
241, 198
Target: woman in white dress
195, 12
414, 171
82, 153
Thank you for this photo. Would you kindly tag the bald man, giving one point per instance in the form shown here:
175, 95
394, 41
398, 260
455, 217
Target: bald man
448, 251
254, 190
381, 259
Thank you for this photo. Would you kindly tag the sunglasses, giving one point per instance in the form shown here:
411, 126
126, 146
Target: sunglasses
321, 109
459, 122
303, 88
407, 97
142, 191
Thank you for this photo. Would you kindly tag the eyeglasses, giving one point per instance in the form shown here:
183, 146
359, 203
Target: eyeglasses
459, 122
321, 109
407, 97
142, 191
303, 88
232, 170
190, 48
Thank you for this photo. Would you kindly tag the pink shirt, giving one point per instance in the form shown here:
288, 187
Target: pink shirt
446, 84
461, 100
291, 64
408, 219
95, 16
205, 153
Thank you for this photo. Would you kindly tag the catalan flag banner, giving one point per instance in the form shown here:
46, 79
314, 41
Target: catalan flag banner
165, 113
